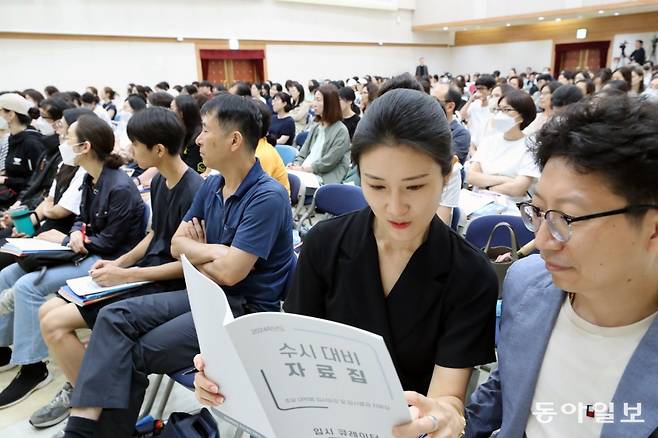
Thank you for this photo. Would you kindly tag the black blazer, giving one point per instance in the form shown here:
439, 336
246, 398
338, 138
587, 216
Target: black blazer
441, 311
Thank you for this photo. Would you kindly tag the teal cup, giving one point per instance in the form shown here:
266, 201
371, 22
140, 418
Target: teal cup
22, 219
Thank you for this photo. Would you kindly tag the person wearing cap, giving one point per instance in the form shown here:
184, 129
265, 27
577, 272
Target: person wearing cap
4, 142
25, 146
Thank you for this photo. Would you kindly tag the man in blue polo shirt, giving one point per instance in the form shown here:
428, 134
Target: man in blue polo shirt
237, 232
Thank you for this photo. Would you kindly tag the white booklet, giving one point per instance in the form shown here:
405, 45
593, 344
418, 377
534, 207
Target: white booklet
286, 375
83, 286
31, 246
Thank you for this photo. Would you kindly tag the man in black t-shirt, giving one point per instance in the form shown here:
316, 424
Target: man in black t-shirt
157, 137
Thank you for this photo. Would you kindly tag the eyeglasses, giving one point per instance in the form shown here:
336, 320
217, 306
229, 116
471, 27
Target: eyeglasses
559, 224
503, 110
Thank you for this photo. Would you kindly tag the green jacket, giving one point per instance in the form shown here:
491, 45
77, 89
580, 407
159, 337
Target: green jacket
335, 159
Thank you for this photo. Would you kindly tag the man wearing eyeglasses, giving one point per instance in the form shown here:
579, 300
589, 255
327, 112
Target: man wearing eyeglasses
578, 346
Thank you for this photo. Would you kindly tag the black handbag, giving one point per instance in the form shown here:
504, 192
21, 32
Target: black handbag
184, 425
493, 252
44, 260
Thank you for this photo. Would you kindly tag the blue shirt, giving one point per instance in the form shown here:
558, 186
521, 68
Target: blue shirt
461, 140
257, 219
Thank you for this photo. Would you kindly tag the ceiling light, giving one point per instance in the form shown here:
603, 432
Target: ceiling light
233, 44
616, 14
540, 18
445, 27
601, 11
581, 34
558, 19
380, 43
508, 24
179, 39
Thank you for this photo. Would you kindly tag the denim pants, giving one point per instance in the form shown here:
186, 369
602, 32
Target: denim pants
29, 346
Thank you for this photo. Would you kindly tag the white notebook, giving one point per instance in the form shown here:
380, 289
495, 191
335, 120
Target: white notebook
83, 286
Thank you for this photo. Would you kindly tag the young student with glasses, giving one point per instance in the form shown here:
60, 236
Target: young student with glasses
578, 345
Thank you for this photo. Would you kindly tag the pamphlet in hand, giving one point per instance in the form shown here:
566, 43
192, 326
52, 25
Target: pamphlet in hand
286, 375
24, 246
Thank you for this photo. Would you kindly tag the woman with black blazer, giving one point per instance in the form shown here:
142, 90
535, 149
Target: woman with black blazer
396, 270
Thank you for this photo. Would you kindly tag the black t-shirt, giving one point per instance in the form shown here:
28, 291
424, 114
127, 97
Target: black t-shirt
168, 208
351, 123
440, 312
284, 126
191, 155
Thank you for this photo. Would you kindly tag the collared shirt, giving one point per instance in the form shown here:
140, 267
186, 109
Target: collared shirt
257, 219
461, 140
441, 310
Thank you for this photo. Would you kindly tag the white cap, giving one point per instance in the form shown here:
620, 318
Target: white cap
351, 82
362, 81
16, 103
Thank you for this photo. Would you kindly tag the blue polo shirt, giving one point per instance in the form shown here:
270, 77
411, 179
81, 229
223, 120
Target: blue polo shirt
257, 219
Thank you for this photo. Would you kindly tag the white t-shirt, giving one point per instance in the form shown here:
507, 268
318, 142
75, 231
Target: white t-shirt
536, 124
72, 196
582, 366
103, 114
315, 150
478, 116
498, 156
450, 195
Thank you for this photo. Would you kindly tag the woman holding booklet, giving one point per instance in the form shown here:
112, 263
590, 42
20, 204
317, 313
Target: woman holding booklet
396, 270
110, 222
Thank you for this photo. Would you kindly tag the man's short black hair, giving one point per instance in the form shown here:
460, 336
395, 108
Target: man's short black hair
160, 98
487, 81
157, 125
164, 85
266, 114
611, 135
404, 80
207, 84
453, 95
236, 113
565, 95
544, 77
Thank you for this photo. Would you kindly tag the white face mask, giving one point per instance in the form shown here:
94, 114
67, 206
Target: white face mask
68, 155
502, 122
492, 103
44, 127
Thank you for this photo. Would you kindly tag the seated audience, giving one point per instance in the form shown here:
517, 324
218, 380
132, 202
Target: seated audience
110, 222
408, 260
565, 95
299, 106
157, 136
368, 94
25, 146
591, 298
349, 109
237, 232
269, 158
325, 153
160, 98
282, 128
449, 98
185, 107
546, 92
503, 163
